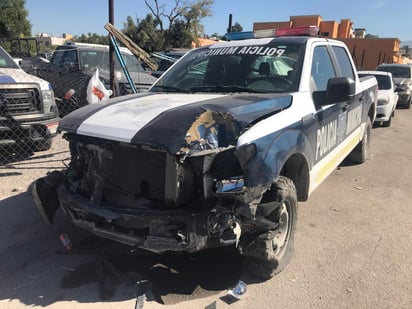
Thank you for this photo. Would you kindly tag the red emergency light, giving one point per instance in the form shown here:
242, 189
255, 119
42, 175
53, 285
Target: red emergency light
270, 33
308, 31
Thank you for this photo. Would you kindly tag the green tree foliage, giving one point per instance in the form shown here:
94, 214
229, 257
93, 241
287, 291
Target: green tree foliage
237, 28
179, 35
13, 19
161, 29
193, 13
92, 38
145, 33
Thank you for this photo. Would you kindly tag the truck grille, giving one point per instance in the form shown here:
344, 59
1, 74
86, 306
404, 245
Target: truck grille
20, 101
125, 88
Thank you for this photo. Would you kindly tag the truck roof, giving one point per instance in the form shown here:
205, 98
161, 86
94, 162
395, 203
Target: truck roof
261, 41
88, 46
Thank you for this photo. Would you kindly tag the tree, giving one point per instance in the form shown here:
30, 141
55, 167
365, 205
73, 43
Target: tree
129, 28
92, 38
162, 29
13, 19
237, 28
178, 36
193, 13
146, 34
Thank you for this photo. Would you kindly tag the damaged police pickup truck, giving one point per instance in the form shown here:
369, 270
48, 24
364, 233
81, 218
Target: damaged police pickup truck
218, 152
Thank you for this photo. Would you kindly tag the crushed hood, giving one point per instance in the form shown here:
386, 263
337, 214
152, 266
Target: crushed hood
177, 123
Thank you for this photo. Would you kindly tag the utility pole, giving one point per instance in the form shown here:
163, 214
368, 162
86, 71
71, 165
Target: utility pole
229, 28
111, 48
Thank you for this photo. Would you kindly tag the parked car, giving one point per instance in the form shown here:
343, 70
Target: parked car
28, 112
72, 65
402, 75
387, 96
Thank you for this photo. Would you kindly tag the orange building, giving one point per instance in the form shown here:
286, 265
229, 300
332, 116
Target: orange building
366, 53
369, 53
330, 29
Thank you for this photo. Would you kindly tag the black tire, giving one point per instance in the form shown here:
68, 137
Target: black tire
43, 145
393, 113
408, 105
362, 151
269, 253
387, 124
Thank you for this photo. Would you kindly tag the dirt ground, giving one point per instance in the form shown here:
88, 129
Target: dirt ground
352, 248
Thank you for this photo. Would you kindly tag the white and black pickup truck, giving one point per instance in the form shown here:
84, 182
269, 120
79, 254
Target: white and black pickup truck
28, 112
218, 152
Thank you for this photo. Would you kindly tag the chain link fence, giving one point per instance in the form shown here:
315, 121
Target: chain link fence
29, 114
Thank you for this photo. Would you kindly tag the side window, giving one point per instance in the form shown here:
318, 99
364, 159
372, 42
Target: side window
345, 65
322, 69
70, 56
57, 57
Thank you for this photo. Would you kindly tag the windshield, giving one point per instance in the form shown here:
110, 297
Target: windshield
6, 61
261, 69
397, 71
92, 59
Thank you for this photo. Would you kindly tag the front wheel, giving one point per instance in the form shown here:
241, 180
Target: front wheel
387, 123
270, 252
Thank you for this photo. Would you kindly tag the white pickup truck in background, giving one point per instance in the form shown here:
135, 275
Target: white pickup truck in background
28, 112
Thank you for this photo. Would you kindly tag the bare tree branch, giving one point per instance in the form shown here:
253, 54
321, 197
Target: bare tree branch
157, 13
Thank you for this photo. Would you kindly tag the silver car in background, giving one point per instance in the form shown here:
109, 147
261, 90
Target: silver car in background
402, 75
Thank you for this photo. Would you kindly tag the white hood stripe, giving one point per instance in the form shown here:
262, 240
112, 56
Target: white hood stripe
123, 120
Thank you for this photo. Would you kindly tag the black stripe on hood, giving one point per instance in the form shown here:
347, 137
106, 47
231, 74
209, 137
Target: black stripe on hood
209, 124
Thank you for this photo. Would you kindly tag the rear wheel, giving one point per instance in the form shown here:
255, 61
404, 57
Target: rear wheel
408, 104
362, 151
269, 253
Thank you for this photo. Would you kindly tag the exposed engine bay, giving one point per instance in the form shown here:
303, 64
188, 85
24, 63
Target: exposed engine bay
151, 199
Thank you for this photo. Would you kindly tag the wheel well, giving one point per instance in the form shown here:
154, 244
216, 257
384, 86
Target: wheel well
296, 169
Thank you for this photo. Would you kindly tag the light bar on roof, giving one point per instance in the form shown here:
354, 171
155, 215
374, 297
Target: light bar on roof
270, 33
308, 31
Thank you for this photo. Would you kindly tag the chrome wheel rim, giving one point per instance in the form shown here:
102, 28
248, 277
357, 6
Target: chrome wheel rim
282, 233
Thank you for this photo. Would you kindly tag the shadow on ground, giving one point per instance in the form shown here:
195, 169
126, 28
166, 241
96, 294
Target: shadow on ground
37, 270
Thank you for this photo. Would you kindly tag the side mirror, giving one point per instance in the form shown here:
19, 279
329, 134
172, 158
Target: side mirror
340, 89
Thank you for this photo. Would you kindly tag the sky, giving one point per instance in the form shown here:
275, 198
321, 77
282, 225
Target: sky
378, 17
